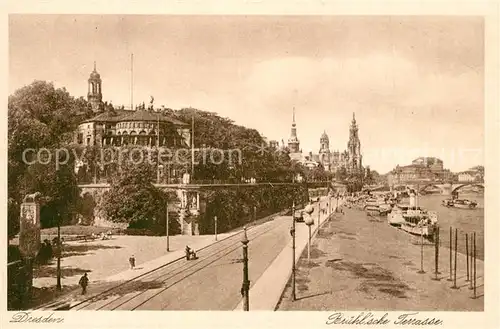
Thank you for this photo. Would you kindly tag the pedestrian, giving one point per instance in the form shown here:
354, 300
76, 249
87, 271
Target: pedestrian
131, 260
84, 282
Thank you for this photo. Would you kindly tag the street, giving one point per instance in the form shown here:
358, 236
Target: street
212, 282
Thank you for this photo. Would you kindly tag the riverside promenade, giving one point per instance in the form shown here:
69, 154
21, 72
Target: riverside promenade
362, 263
265, 294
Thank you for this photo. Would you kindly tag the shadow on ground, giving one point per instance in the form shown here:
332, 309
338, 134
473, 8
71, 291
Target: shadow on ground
47, 294
49, 271
375, 277
82, 249
131, 287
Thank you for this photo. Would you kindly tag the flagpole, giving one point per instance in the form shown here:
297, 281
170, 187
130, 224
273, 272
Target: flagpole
158, 151
132, 82
192, 147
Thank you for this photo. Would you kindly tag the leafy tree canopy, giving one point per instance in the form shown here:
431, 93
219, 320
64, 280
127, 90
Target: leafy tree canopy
134, 199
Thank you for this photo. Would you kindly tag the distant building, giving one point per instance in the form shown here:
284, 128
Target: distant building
467, 176
350, 159
274, 144
425, 169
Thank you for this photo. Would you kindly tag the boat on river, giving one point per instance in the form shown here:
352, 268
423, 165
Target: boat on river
459, 203
376, 207
420, 222
413, 219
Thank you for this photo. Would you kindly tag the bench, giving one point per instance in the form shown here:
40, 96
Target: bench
86, 237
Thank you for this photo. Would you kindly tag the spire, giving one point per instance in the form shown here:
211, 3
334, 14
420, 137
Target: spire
353, 118
94, 67
293, 116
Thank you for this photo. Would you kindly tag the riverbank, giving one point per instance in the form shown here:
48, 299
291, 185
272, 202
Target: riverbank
362, 263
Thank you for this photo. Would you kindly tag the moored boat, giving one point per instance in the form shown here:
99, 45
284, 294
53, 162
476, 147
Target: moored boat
376, 207
419, 222
459, 203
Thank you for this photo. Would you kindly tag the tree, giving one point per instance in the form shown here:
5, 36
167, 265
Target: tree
355, 182
133, 199
59, 189
41, 116
369, 180
341, 174
257, 160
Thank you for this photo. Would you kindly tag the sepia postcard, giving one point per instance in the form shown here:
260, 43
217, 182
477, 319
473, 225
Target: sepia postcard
315, 163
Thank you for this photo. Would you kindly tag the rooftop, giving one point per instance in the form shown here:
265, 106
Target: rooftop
137, 115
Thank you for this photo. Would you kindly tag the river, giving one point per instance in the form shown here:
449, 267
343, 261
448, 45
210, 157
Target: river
465, 220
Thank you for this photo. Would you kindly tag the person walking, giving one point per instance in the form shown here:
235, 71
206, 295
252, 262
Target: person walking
131, 261
84, 282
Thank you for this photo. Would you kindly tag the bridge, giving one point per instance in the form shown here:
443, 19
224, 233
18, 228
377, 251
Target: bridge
445, 188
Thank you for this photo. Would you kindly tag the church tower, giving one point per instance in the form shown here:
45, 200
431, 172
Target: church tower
324, 151
354, 148
94, 95
293, 141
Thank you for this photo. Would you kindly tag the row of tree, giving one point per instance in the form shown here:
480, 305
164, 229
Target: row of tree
42, 116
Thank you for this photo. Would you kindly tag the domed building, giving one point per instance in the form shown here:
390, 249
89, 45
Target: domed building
117, 127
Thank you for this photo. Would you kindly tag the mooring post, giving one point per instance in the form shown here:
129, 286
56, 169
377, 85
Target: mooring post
436, 254
471, 253
475, 273
421, 251
451, 250
467, 255
455, 269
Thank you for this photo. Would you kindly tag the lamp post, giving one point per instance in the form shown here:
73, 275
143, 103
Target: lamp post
246, 283
215, 227
168, 222
292, 233
58, 283
309, 221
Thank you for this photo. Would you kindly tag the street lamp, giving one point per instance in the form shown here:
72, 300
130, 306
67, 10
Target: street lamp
168, 222
215, 227
246, 283
292, 233
309, 221
58, 284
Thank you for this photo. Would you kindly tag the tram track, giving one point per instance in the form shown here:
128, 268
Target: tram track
163, 278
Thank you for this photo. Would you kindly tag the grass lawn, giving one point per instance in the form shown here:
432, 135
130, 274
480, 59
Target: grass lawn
78, 230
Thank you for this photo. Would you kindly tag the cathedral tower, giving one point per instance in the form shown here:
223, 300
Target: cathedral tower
94, 95
354, 148
293, 141
324, 151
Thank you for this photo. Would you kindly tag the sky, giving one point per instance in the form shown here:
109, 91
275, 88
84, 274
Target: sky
415, 83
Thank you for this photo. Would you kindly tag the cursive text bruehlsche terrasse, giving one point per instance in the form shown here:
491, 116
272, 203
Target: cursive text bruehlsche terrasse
369, 318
